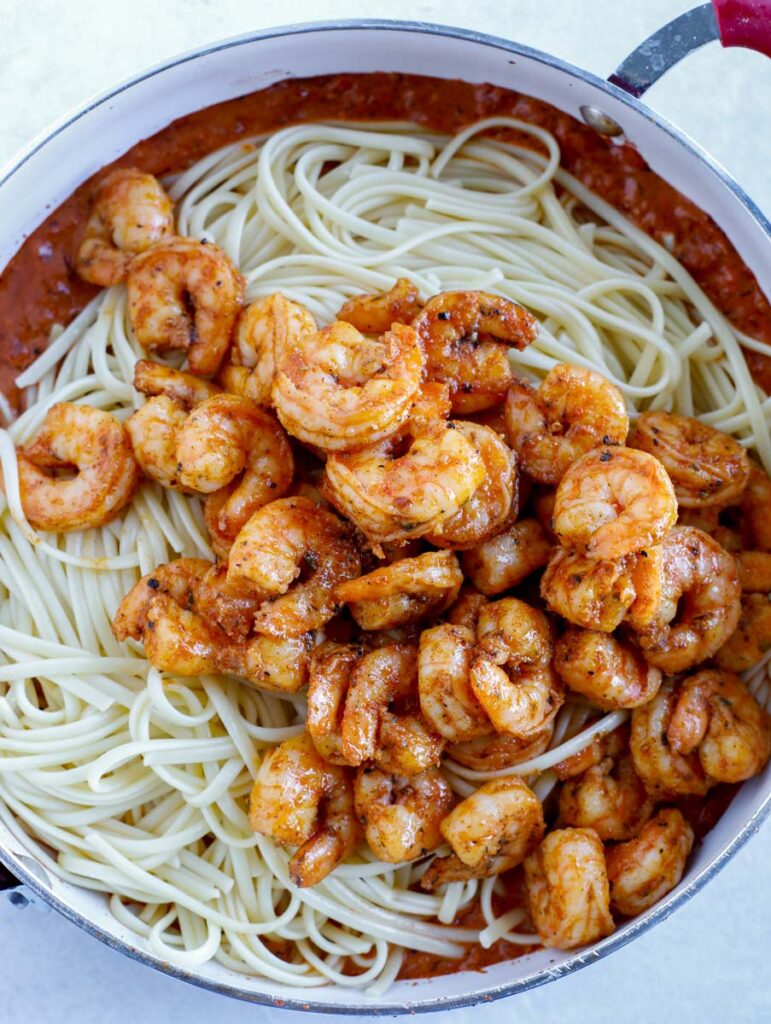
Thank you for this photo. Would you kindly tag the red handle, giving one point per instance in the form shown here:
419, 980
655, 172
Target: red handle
745, 23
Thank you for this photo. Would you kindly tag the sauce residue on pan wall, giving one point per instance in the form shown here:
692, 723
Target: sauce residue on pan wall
40, 288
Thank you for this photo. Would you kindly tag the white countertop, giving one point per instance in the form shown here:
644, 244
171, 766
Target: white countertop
709, 962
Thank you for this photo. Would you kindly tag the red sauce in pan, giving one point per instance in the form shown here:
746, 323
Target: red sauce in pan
39, 287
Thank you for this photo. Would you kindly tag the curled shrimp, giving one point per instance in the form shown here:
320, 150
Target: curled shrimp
700, 604
153, 379
328, 683
162, 612
466, 610
467, 337
403, 592
392, 496
495, 751
129, 212
613, 502
512, 676
751, 640
665, 772
294, 553
611, 674
97, 446
709, 469
337, 390
374, 314
716, 715
609, 797
447, 701
493, 505
170, 279
754, 569
649, 866
300, 800
566, 886
756, 501
431, 403
573, 411
265, 330
401, 815
589, 592
506, 560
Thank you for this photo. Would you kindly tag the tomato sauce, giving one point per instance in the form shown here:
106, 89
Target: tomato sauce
39, 287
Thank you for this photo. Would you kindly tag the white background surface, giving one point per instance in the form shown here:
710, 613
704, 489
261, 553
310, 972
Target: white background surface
710, 961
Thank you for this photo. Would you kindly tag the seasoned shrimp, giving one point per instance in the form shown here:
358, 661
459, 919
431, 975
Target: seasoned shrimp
700, 604
466, 610
751, 640
613, 502
589, 592
337, 390
447, 701
511, 676
716, 715
130, 211
756, 501
401, 815
754, 569
573, 411
97, 446
265, 330
330, 676
374, 314
298, 553
300, 800
467, 337
403, 592
609, 798
504, 561
709, 469
500, 750
646, 868
153, 379
566, 886
543, 506
185, 295
608, 672
608, 744
665, 772
431, 403
392, 496
162, 612
493, 505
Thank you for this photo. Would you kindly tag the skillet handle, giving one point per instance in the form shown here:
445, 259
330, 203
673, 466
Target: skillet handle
733, 22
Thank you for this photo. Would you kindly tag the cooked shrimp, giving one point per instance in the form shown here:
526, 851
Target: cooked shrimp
665, 772
512, 677
298, 553
446, 699
500, 750
337, 390
611, 674
403, 592
754, 569
157, 379
543, 506
608, 744
466, 610
300, 800
374, 314
401, 815
709, 469
706, 519
431, 403
231, 608
505, 561
756, 501
589, 592
97, 446
609, 798
467, 337
174, 277
573, 411
614, 501
130, 211
751, 640
493, 505
700, 602
330, 676
407, 744
566, 886
644, 869
265, 330
394, 496
716, 715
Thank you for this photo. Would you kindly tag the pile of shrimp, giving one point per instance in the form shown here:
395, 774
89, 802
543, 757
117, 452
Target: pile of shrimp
438, 553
